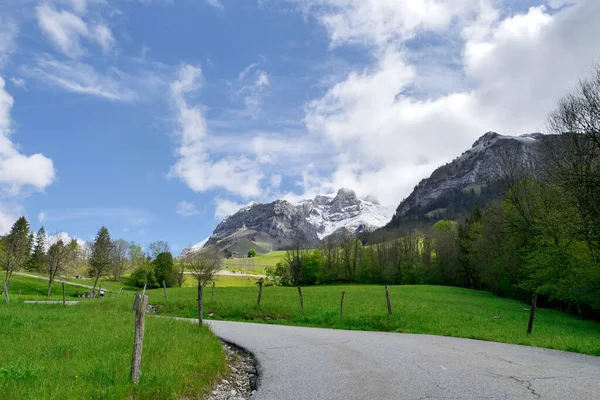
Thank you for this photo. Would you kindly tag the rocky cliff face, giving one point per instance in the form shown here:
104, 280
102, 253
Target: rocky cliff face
472, 179
274, 226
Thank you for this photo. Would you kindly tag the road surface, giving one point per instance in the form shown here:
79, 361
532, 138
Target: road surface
310, 363
59, 281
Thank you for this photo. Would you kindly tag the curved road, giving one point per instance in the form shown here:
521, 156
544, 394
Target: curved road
311, 363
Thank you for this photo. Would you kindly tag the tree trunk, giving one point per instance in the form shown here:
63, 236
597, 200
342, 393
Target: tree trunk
49, 287
200, 292
94, 287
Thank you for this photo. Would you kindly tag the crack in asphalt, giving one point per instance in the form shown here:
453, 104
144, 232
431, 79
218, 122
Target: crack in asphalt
529, 385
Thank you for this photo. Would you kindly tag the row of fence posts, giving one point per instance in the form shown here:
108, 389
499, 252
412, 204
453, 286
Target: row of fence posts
140, 305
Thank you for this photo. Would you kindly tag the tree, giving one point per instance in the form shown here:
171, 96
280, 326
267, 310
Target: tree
119, 258
203, 266
163, 269
59, 257
158, 247
252, 253
37, 261
102, 256
17, 247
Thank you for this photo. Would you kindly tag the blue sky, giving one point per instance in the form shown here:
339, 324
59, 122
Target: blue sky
157, 118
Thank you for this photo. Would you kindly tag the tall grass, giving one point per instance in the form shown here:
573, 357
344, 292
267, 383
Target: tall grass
84, 352
432, 310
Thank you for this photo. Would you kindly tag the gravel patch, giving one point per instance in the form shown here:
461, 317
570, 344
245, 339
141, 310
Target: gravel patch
242, 381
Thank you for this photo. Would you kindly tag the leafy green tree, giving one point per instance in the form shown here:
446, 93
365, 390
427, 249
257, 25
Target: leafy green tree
102, 256
37, 261
59, 258
18, 248
143, 275
163, 269
120, 248
252, 253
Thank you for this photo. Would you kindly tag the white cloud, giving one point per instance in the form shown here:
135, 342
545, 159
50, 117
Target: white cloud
237, 174
18, 82
387, 136
224, 207
78, 77
52, 239
215, 3
81, 6
187, 209
275, 181
41, 217
8, 216
8, 36
17, 170
66, 30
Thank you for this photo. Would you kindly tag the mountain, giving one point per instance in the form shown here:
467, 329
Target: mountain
274, 226
473, 179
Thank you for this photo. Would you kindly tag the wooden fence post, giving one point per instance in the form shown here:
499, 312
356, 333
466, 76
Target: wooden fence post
19, 293
6, 292
119, 294
301, 299
342, 304
260, 284
165, 288
532, 314
138, 341
389, 302
135, 300
212, 297
64, 297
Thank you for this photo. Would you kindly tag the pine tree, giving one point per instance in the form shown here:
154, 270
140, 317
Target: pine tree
101, 259
18, 248
37, 261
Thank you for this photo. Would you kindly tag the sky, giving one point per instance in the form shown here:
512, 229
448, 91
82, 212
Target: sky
157, 118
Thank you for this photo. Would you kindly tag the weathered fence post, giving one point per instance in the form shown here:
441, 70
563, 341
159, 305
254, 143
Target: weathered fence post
64, 297
301, 299
260, 284
342, 304
19, 293
165, 288
389, 302
532, 314
135, 300
6, 292
212, 297
138, 339
119, 294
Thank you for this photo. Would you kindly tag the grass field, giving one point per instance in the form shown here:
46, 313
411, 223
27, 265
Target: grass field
84, 351
255, 264
432, 310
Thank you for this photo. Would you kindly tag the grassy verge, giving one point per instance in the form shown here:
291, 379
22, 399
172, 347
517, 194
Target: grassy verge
255, 264
432, 310
84, 352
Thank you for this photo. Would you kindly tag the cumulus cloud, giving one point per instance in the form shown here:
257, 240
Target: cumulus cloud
187, 209
19, 171
8, 216
239, 175
387, 133
224, 207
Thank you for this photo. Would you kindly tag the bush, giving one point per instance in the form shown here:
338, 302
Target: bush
252, 253
144, 275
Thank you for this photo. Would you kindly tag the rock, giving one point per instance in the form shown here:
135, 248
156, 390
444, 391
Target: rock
274, 226
480, 168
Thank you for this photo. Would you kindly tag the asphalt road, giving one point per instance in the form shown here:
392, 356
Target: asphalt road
309, 363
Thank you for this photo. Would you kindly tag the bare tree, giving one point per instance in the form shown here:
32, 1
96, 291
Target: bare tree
119, 256
158, 247
60, 256
203, 266
574, 160
295, 257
